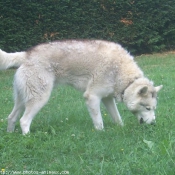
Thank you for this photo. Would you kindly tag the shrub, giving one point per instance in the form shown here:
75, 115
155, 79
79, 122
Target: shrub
140, 26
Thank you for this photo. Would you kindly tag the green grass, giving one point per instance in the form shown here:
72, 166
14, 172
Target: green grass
63, 138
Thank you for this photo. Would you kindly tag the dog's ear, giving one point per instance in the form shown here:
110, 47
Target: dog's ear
158, 88
143, 90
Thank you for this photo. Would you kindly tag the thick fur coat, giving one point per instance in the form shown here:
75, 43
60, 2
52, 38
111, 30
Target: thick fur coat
102, 70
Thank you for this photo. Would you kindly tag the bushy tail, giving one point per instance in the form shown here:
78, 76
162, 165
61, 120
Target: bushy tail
11, 60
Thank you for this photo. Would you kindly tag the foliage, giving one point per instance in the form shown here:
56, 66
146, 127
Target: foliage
140, 26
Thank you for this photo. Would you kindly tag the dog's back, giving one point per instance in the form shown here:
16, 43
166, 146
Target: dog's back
76, 62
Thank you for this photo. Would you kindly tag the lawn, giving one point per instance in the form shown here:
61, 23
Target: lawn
63, 140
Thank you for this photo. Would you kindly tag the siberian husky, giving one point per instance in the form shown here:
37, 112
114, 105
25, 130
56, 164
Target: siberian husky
102, 70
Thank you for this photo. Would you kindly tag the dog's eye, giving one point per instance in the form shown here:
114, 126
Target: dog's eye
148, 108
145, 106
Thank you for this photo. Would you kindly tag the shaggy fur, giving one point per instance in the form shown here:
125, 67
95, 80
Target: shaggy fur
102, 70
11, 60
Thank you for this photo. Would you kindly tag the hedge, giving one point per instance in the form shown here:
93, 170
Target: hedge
142, 26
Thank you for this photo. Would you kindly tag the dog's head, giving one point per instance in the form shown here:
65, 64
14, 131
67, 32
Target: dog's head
141, 99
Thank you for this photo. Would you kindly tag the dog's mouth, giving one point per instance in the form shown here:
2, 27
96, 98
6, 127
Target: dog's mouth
141, 121
152, 123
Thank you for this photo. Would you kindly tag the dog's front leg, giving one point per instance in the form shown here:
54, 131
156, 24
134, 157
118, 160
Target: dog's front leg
110, 105
93, 105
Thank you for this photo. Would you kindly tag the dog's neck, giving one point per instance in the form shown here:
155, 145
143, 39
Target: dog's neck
129, 84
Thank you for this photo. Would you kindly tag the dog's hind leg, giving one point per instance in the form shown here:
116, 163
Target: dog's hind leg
31, 109
34, 86
18, 108
93, 105
38, 98
110, 105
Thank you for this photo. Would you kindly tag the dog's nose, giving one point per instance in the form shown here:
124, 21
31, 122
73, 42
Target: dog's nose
153, 122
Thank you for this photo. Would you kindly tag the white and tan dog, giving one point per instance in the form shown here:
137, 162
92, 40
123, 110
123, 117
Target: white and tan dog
11, 60
102, 70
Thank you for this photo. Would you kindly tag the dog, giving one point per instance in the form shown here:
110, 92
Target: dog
102, 70
11, 60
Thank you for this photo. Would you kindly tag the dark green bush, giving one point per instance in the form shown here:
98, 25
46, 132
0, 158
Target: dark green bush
141, 26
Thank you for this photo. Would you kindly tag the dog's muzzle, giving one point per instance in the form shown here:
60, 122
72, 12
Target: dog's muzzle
152, 123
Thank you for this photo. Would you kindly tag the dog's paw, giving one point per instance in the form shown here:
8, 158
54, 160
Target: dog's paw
121, 124
99, 127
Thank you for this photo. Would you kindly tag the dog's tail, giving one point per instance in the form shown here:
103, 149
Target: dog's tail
11, 60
